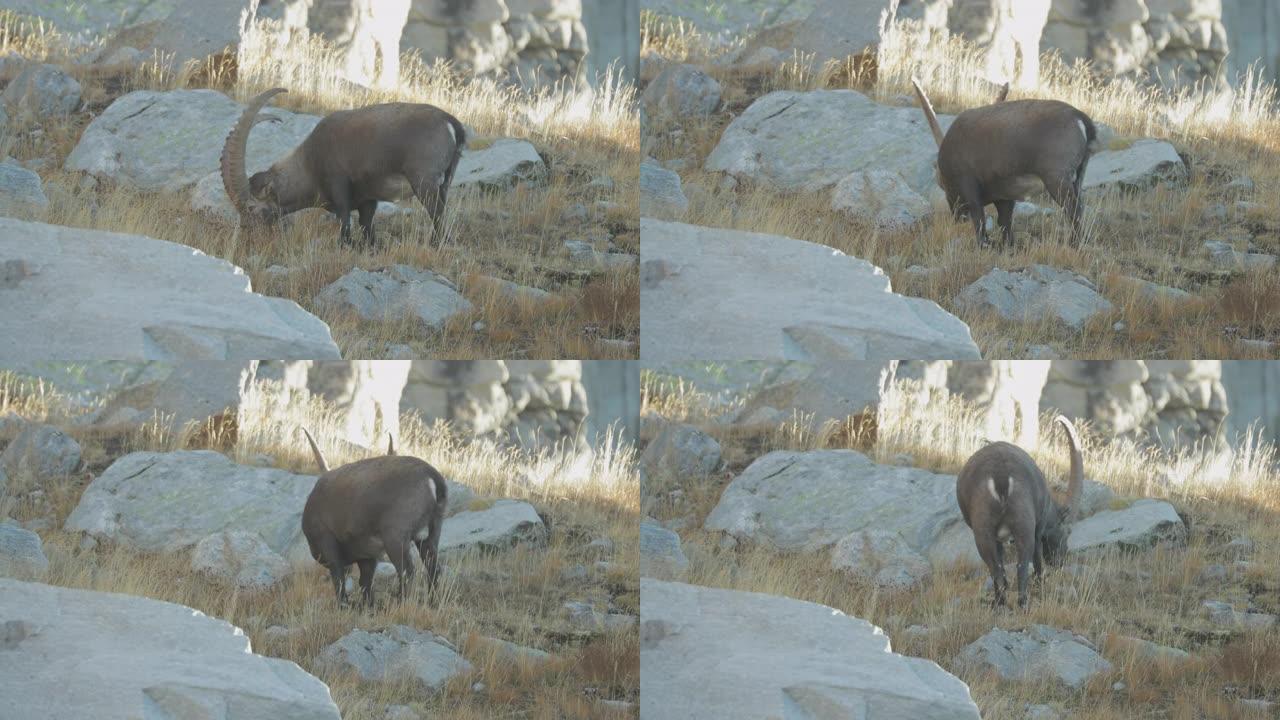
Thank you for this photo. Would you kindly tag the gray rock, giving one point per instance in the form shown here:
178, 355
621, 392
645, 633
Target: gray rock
1037, 653
38, 453
20, 191
513, 653
21, 553
240, 558
497, 527
682, 91
660, 193
880, 557
1222, 613
709, 292
1141, 525
1141, 166
41, 91
395, 293
807, 501
660, 553
150, 299
822, 663
400, 712
190, 392
516, 292
681, 451
838, 29
500, 166
165, 502
1153, 292
583, 253
1043, 712
879, 197
116, 654
1224, 256
1034, 294
397, 654
809, 141
1145, 650
171, 140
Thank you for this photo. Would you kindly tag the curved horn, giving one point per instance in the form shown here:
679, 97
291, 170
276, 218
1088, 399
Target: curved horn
234, 178
391, 444
928, 111
1075, 485
315, 450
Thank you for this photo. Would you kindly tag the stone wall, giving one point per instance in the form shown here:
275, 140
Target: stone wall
1164, 39
1160, 402
525, 41
529, 403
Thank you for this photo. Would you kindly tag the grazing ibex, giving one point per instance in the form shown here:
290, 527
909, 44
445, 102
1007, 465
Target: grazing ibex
1002, 495
1001, 153
358, 511
350, 161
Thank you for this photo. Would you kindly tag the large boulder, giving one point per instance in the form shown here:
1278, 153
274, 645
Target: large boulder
1140, 166
168, 141
366, 394
682, 452
39, 453
1037, 653
1141, 525
21, 553
712, 293
500, 165
88, 293
660, 553
399, 653
700, 651
839, 29
20, 192
393, 294
181, 393
363, 32
1035, 294
1005, 31
682, 91
240, 558
70, 654
165, 502
501, 525
809, 141
881, 198
40, 91
881, 558
807, 501
660, 193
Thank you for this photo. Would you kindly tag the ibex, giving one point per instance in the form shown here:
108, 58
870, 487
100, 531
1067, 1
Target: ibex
359, 511
350, 161
1002, 495
999, 154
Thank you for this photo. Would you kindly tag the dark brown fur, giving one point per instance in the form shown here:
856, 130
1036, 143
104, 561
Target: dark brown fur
1021, 508
999, 154
360, 511
352, 160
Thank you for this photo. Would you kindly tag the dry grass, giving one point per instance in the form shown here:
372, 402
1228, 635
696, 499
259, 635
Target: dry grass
516, 235
514, 595
1153, 595
1156, 235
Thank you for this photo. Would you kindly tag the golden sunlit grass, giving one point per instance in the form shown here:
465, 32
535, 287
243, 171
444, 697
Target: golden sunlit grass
514, 595
1155, 595
516, 235
1157, 235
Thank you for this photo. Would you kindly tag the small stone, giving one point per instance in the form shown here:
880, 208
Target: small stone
576, 212
1214, 573
1119, 326
574, 572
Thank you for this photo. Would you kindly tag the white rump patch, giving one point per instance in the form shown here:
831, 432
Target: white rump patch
452, 134
1002, 533
423, 533
1084, 132
991, 488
